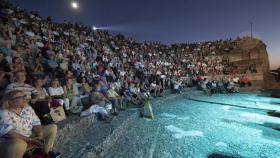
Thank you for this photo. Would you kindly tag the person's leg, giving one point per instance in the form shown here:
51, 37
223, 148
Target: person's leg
141, 111
156, 91
119, 100
12, 148
76, 101
66, 104
79, 101
124, 101
49, 133
115, 105
73, 101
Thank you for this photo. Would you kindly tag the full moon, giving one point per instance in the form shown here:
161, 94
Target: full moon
75, 5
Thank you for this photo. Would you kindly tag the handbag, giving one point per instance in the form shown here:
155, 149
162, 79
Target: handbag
57, 114
55, 103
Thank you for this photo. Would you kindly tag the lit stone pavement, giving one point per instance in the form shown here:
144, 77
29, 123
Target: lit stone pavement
186, 128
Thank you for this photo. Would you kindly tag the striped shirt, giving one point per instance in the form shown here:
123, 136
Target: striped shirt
27, 89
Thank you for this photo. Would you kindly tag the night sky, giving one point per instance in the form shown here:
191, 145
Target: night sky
171, 21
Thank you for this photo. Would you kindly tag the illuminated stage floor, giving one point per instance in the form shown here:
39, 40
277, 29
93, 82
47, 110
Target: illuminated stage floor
198, 128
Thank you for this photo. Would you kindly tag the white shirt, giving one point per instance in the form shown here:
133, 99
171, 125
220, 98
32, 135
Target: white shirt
235, 79
112, 93
56, 91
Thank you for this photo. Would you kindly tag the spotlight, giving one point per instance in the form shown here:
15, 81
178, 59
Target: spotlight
94, 28
74, 5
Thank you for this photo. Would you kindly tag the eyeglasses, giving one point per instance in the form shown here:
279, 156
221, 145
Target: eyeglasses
20, 97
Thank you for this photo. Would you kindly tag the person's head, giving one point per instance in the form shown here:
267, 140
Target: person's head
69, 81
69, 73
83, 80
39, 83
16, 60
97, 87
13, 100
20, 77
132, 85
55, 82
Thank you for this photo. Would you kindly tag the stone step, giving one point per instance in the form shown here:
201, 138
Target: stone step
88, 137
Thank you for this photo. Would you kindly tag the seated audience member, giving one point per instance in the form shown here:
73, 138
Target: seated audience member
51, 63
85, 88
100, 103
68, 74
20, 127
38, 70
204, 86
56, 92
144, 91
71, 92
236, 80
155, 88
178, 86
221, 86
231, 87
20, 84
42, 104
132, 94
17, 65
115, 99
98, 98
245, 81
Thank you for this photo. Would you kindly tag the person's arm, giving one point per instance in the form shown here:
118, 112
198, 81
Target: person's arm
106, 99
36, 124
13, 134
38, 131
65, 91
9, 88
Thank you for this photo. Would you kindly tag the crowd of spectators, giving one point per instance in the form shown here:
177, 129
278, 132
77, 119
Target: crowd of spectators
223, 85
83, 70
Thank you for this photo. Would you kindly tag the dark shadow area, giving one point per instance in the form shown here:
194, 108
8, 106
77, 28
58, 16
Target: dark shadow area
275, 93
222, 155
233, 105
273, 114
267, 133
273, 126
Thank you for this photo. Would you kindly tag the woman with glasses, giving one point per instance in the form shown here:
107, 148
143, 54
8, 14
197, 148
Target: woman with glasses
20, 127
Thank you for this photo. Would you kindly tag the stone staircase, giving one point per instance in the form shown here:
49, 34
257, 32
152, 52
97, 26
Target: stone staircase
79, 137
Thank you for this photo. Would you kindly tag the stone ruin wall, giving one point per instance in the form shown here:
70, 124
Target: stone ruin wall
249, 51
